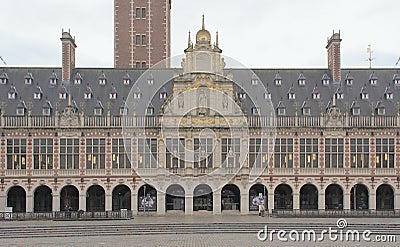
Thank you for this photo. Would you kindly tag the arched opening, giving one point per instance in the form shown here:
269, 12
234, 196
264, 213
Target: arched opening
308, 197
334, 197
95, 199
202, 198
230, 199
43, 200
258, 193
283, 197
69, 198
121, 198
147, 199
16, 198
384, 197
175, 198
359, 194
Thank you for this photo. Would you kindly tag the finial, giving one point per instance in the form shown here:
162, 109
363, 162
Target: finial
69, 99
216, 40
334, 100
189, 41
203, 25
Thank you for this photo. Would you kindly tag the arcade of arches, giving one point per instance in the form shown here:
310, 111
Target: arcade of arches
231, 197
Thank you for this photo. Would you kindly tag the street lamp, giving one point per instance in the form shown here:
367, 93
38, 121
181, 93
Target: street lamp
144, 199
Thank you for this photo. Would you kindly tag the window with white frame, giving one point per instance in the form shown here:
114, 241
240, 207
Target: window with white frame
385, 152
267, 95
359, 152
316, 95
12, 95
301, 82
278, 82
121, 152
123, 111
78, 81
69, 153
356, 111
349, 82
283, 153
203, 152
175, 153
137, 95
258, 152
230, 152
291, 95
334, 149
98, 111
281, 111
113, 95
102, 81
147, 153
87, 95
43, 153
62, 95
37, 95
95, 153
127, 81
339, 95
381, 111
16, 154
163, 95
325, 82
28, 80
309, 152
46, 111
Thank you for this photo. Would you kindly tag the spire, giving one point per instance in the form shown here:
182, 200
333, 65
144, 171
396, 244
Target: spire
189, 41
203, 26
216, 40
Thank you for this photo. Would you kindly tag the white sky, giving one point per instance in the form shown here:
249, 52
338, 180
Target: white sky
258, 33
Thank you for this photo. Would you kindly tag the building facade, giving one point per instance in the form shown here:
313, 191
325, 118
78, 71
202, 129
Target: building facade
142, 33
200, 138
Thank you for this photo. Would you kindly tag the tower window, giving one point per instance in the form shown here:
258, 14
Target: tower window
143, 64
138, 12
137, 39
143, 12
143, 39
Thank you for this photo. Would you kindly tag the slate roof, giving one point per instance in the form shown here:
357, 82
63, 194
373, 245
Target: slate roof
115, 83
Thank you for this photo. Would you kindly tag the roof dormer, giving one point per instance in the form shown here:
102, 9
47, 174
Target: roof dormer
78, 79
98, 108
21, 108
47, 108
388, 93
373, 79
113, 93
301, 80
396, 79
37, 94
126, 80
339, 93
355, 108
3, 78
306, 108
380, 108
163, 94
349, 79
102, 79
278, 79
123, 109
325, 80
315, 93
63, 93
281, 109
88, 93
53, 79
267, 94
254, 80
28, 79
291, 93
12, 93
364, 93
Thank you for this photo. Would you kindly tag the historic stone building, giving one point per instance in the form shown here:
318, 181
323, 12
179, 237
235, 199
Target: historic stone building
142, 33
200, 138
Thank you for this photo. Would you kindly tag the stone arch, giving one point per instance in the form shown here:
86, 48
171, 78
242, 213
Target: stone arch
43, 199
121, 197
384, 197
334, 197
254, 196
202, 198
230, 197
359, 197
95, 199
16, 198
283, 197
175, 198
309, 197
147, 198
69, 197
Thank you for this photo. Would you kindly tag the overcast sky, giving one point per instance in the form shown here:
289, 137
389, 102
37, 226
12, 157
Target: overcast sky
258, 33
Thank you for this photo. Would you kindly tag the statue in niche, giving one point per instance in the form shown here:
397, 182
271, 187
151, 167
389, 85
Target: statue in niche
180, 101
202, 102
225, 102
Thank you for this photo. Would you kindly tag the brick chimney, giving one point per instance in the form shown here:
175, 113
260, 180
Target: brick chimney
68, 55
333, 48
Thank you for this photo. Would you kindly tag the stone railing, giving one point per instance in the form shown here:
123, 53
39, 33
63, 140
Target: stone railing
157, 121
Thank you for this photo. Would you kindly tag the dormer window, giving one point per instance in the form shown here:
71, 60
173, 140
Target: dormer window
364, 95
349, 82
301, 80
255, 110
28, 79
12, 94
267, 95
78, 81
281, 111
242, 95
137, 95
163, 95
396, 81
113, 95
278, 82
37, 95
356, 111
325, 82
46, 111
291, 94
373, 81
381, 111
127, 81
87, 95
3, 78
63, 95
150, 81
339, 95
254, 80
316, 95
21, 111
388, 94
53, 79
150, 110
306, 111
98, 111
102, 81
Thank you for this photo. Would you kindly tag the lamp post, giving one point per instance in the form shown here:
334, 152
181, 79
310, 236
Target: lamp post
144, 199
355, 197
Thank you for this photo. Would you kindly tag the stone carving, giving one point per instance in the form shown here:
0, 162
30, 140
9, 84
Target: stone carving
334, 117
69, 117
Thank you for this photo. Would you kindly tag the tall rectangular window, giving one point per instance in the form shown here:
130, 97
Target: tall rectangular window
95, 153
230, 152
137, 12
385, 153
334, 152
69, 153
143, 12
258, 152
147, 153
121, 152
16, 154
175, 153
309, 152
144, 40
138, 40
283, 153
359, 152
43, 154
203, 153
137, 65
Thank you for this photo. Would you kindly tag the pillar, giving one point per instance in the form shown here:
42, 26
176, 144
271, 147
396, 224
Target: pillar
189, 204
134, 203
244, 202
372, 201
29, 202
3, 201
160, 202
82, 200
397, 200
321, 200
217, 202
346, 200
271, 201
56, 202
108, 201
296, 200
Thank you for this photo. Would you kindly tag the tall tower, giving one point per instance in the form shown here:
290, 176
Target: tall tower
142, 33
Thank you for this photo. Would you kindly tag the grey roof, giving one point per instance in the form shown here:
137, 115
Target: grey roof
266, 83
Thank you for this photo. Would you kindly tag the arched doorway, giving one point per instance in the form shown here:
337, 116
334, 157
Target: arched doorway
384, 197
334, 197
255, 192
43, 200
16, 198
308, 197
175, 198
121, 198
230, 199
147, 199
283, 197
69, 197
95, 199
202, 198
361, 197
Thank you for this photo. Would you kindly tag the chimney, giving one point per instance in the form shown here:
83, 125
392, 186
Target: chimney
68, 55
333, 49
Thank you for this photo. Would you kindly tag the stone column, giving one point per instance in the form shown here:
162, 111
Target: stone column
134, 203
217, 202
321, 200
397, 200
3, 201
244, 202
82, 200
372, 201
296, 200
108, 201
217, 151
160, 203
346, 200
56, 202
189, 204
29, 202
271, 201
